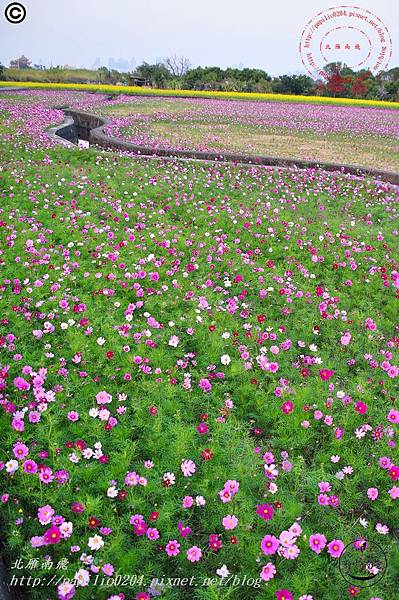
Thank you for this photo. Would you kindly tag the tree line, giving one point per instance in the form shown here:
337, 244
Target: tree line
176, 72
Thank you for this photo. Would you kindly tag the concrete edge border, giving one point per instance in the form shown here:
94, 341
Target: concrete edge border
95, 124
56, 132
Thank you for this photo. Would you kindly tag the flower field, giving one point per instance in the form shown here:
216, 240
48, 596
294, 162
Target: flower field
199, 369
341, 134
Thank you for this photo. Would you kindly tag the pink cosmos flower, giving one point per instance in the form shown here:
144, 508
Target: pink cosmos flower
188, 501
268, 572
73, 416
172, 548
20, 450
269, 544
66, 591
372, 493
393, 416
317, 542
188, 468
45, 514
335, 548
230, 522
103, 398
108, 569
194, 554
30, 466
394, 492
46, 475
152, 533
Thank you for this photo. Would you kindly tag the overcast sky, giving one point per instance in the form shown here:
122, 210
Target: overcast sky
253, 33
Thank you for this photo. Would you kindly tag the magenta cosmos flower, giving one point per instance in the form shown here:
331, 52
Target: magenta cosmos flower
317, 542
20, 450
284, 595
265, 511
269, 544
335, 548
172, 548
52, 535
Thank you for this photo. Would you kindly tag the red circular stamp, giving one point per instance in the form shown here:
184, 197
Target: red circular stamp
349, 35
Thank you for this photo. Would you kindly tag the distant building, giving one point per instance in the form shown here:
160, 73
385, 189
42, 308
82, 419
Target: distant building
20, 63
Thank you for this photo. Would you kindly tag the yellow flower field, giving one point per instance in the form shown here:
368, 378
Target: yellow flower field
136, 90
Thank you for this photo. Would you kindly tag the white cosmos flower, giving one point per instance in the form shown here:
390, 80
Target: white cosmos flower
223, 571
225, 359
82, 577
383, 529
112, 492
11, 466
96, 542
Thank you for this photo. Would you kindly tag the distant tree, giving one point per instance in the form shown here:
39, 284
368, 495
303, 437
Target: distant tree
1, 71
20, 63
336, 83
157, 74
294, 84
177, 65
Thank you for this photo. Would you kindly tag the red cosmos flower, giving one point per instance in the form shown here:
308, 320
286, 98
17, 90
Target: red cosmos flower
207, 454
353, 591
122, 494
68, 444
234, 539
394, 473
326, 374
93, 522
261, 318
204, 416
110, 354
211, 327
254, 381
80, 444
104, 459
305, 372
77, 507
153, 410
153, 516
